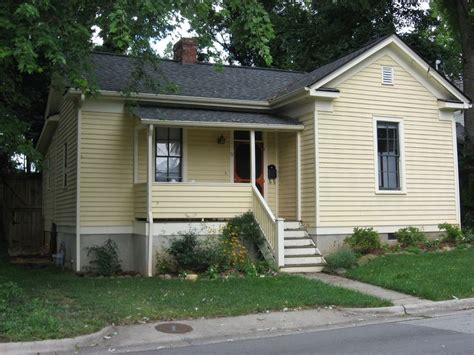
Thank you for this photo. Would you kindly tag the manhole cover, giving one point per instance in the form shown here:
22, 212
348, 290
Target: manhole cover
173, 328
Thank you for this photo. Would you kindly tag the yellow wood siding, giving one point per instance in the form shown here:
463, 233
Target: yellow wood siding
347, 176
64, 197
308, 172
142, 146
107, 196
140, 202
270, 146
207, 161
287, 175
183, 200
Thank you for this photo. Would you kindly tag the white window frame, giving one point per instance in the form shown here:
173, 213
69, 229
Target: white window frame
401, 141
382, 68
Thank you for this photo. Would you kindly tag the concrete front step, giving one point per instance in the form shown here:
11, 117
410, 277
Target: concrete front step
292, 225
293, 242
295, 233
301, 250
303, 260
302, 268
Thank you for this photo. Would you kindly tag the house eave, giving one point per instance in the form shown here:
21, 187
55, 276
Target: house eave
191, 101
47, 132
230, 125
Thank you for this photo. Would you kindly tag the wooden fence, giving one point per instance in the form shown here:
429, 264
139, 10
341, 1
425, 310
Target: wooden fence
21, 222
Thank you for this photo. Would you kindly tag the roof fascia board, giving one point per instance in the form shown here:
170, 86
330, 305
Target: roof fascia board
442, 80
323, 94
289, 97
408, 51
351, 63
49, 127
452, 106
184, 100
267, 127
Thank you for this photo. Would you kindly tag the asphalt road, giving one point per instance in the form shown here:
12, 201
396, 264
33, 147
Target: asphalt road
453, 334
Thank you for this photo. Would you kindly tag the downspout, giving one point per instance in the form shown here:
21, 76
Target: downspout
149, 203
78, 184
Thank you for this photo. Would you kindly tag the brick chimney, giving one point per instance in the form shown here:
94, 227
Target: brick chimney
185, 51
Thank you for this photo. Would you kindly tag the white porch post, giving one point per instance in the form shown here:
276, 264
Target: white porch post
298, 176
149, 202
252, 158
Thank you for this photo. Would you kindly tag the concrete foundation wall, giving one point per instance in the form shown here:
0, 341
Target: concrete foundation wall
328, 244
125, 244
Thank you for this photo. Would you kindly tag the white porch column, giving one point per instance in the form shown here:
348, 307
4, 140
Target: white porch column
252, 158
298, 176
149, 202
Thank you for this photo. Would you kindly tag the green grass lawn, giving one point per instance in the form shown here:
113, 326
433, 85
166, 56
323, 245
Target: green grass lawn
434, 276
49, 303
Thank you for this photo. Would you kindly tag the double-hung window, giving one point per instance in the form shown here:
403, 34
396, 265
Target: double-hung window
388, 155
168, 154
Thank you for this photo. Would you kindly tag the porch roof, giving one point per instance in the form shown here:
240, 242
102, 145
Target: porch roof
214, 118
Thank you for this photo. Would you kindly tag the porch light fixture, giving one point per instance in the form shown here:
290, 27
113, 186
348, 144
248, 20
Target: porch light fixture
221, 139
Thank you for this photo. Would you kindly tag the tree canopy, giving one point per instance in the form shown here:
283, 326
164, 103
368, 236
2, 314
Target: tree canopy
49, 41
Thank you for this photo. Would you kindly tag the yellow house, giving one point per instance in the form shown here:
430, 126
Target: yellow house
367, 140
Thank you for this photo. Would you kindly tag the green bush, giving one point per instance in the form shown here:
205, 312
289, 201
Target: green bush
343, 258
246, 228
432, 245
363, 240
468, 236
192, 255
452, 234
410, 236
106, 261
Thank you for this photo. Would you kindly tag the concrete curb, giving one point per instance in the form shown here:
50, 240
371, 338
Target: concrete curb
389, 311
419, 309
441, 306
54, 345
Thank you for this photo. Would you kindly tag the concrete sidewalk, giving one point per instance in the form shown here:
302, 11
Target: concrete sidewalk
397, 298
146, 337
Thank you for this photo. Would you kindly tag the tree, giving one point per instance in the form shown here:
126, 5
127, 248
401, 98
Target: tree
458, 16
50, 41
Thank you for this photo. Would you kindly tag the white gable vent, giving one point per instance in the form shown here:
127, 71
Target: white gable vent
387, 75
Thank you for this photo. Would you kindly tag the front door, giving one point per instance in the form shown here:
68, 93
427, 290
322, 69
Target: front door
242, 158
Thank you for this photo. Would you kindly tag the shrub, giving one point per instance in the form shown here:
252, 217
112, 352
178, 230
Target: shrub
363, 240
192, 255
246, 228
106, 261
410, 236
343, 258
235, 255
453, 233
432, 244
165, 263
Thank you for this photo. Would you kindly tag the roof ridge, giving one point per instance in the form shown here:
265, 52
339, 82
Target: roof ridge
204, 63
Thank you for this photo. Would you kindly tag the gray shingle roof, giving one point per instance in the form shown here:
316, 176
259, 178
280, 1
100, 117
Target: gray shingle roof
212, 116
113, 72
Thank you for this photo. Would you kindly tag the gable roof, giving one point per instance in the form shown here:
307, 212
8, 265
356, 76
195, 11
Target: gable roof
322, 71
113, 72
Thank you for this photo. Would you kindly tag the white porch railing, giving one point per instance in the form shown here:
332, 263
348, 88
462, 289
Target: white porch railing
272, 227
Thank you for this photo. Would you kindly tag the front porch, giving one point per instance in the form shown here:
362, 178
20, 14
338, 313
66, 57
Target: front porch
187, 172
